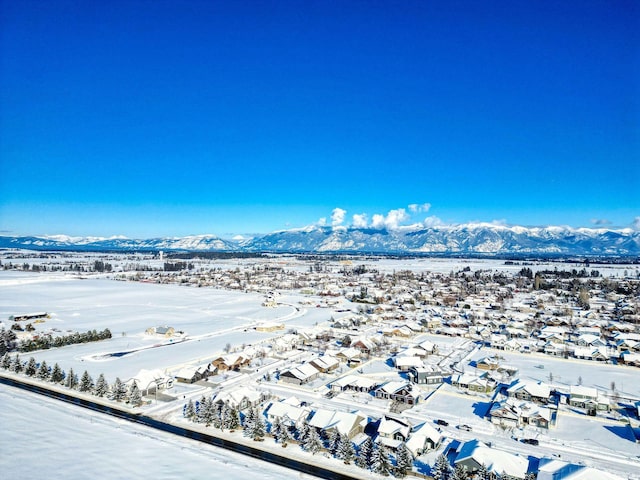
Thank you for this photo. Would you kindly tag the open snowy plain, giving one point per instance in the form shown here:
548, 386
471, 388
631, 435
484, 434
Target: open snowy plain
42, 438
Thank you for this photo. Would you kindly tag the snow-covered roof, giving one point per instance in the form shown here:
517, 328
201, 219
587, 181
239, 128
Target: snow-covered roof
554, 469
343, 422
390, 426
235, 396
495, 460
284, 411
419, 437
535, 389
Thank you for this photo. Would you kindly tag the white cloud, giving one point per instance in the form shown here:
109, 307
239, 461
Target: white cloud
337, 216
419, 208
391, 221
395, 218
359, 220
500, 222
432, 221
636, 223
321, 222
377, 221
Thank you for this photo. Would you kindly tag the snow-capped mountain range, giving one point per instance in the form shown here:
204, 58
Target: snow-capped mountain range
465, 239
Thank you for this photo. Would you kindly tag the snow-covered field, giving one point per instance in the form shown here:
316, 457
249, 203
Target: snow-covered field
45, 438
210, 318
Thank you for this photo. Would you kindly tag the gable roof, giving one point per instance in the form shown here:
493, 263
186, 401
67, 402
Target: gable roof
495, 460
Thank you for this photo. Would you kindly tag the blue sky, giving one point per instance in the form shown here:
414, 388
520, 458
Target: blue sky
154, 118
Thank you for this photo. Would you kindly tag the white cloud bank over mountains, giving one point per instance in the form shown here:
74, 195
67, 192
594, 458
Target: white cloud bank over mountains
408, 218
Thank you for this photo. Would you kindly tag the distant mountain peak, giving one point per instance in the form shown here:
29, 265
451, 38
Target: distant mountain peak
462, 239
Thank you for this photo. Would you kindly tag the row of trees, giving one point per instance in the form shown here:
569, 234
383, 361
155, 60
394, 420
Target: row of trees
370, 455
117, 391
9, 343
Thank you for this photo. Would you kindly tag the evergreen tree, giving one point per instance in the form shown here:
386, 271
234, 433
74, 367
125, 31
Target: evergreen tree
257, 428
57, 375
347, 452
16, 365
485, 474
303, 432
233, 420
102, 387
200, 409
6, 361
71, 380
380, 462
207, 411
334, 442
43, 371
313, 443
404, 461
86, 382
276, 430
217, 411
460, 472
285, 434
31, 367
366, 454
134, 396
530, 476
249, 419
189, 410
118, 390
441, 470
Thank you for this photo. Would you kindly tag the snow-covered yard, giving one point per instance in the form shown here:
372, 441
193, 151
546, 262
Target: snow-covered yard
76, 443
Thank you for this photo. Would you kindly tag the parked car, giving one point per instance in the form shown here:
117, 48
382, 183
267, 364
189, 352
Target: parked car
530, 441
466, 428
442, 422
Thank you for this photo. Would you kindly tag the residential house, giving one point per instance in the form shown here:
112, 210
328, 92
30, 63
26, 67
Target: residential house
241, 398
405, 363
629, 358
588, 398
399, 391
163, 330
474, 454
429, 347
349, 355
325, 363
599, 354
427, 375
473, 383
516, 413
554, 469
537, 392
355, 383
231, 361
151, 381
349, 424
303, 373
194, 373
488, 363
423, 438
590, 340
289, 412
393, 431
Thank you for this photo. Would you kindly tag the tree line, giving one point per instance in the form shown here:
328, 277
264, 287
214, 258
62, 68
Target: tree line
118, 390
9, 342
